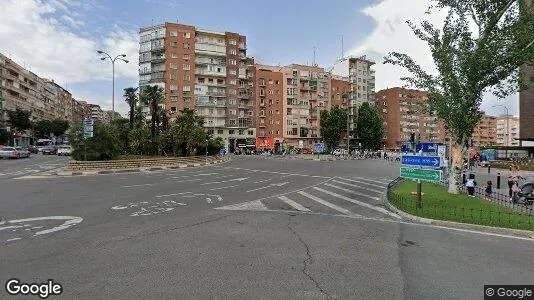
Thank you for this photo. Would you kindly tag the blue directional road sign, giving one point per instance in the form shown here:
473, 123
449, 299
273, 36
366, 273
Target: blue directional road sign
427, 147
421, 161
319, 148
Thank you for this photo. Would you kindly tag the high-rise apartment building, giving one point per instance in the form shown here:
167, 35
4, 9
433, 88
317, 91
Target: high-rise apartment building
202, 70
485, 132
404, 112
80, 111
361, 81
507, 131
97, 113
340, 91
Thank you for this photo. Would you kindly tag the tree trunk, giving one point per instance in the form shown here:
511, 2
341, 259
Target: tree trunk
456, 165
132, 112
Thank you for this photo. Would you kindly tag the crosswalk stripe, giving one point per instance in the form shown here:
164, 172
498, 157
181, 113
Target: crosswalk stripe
384, 182
366, 183
351, 191
293, 204
251, 205
379, 209
358, 186
326, 203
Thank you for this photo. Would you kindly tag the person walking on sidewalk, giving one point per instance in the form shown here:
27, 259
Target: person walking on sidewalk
471, 184
489, 189
513, 180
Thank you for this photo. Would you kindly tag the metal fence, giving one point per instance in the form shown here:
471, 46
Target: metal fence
522, 218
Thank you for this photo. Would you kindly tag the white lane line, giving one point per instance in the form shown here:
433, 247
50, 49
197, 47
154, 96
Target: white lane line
149, 184
185, 176
351, 191
384, 182
326, 203
225, 181
251, 205
358, 186
280, 173
293, 204
268, 186
379, 209
366, 183
265, 180
13, 239
224, 187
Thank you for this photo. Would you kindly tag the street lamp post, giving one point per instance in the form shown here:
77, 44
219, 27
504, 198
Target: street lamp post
507, 135
119, 57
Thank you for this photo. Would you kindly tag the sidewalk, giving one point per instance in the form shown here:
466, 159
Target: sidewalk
482, 176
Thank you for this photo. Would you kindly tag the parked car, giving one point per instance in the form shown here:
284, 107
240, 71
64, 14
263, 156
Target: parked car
33, 149
9, 152
23, 152
337, 152
49, 150
306, 151
64, 150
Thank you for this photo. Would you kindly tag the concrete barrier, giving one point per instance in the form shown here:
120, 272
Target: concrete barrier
132, 164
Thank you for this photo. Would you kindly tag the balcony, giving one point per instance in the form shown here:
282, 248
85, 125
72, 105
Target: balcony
209, 73
242, 46
242, 57
244, 96
157, 48
216, 94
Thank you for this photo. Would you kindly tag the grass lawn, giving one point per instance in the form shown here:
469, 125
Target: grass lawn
439, 204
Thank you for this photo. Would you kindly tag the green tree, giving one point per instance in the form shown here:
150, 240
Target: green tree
131, 97
43, 128
188, 131
4, 136
104, 145
58, 127
139, 139
19, 119
121, 129
370, 127
333, 124
471, 63
152, 96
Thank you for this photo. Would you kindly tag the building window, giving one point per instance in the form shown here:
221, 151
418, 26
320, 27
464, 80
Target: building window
241, 132
232, 122
233, 52
173, 87
174, 98
173, 109
250, 132
231, 131
232, 42
233, 112
233, 62
187, 67
174, 44
174, 55
233, 72
186, 45
186, 88
173, 66
173, 33
270, 92
220, 131
187, 35
187, 78
186, 56
233, 81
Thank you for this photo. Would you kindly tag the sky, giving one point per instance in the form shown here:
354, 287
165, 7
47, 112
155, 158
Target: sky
58, 39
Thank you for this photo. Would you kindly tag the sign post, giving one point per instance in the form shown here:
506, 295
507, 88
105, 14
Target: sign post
319, 148
421, 168
87, 133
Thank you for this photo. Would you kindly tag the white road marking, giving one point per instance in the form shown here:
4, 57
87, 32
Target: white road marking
186, 176
379, 209
268, 186
13, 239
224, 187
326, 203
225, 181
293, 204
69, 221
271, 172
366, 183
375, 181
358, 186
10, 227
208, 200
351, 191
264, 180
149, 184
251, 205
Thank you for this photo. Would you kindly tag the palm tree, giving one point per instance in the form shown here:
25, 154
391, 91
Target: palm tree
130, 95
152, 96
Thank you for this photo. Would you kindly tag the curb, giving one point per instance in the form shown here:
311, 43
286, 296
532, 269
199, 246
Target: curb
457, 225
137, 170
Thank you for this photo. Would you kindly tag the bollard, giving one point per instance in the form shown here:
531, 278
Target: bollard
499, 181
463, 178
489, 169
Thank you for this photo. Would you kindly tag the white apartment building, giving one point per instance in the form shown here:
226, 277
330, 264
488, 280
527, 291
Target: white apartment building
508, 131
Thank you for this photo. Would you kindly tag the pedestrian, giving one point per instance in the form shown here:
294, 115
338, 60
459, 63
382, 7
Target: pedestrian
489, 189
513, 180
471, 184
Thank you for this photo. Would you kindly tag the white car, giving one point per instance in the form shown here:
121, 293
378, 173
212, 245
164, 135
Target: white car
337, 152
64, 150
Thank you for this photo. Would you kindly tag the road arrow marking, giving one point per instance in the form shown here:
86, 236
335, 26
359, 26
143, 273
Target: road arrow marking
217, 182
270, 185
208, 200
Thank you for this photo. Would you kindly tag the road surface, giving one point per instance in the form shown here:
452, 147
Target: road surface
251, 228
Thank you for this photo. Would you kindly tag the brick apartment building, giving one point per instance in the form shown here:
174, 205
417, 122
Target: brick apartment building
45, 99
403, 111
340, 91
203, 70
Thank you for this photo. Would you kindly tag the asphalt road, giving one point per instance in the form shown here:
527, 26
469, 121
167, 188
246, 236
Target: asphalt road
251, 228
36, 163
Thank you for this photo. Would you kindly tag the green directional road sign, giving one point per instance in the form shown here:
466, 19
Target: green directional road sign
423, 174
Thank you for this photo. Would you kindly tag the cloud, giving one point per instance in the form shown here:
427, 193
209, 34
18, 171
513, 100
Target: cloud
391, 33
40, 35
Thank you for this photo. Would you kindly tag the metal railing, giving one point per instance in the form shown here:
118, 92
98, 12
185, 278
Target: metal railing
521, 217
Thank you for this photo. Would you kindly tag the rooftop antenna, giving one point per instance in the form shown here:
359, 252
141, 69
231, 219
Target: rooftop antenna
342, 49
314, 64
